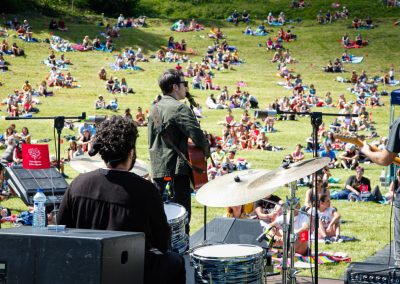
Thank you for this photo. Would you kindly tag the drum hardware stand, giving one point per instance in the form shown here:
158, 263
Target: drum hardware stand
316, 121
289, 228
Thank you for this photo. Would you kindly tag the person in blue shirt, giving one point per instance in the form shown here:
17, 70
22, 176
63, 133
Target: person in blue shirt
327, 152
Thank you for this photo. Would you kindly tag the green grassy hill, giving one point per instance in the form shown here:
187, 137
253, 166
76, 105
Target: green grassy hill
316, 45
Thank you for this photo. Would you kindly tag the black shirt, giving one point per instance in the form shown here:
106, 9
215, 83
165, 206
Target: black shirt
116, 200
354, 183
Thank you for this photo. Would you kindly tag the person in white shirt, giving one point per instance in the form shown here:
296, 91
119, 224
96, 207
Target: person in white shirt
301, 228
121, 21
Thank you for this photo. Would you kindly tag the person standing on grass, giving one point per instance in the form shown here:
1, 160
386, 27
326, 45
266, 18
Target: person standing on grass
385, 158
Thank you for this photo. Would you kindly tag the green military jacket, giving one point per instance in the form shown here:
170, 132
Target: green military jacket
179, 122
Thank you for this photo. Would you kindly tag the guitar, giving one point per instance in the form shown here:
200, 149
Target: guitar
199, 165
356, 141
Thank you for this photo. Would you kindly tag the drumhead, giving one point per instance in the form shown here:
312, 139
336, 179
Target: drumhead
227, 250
174, 211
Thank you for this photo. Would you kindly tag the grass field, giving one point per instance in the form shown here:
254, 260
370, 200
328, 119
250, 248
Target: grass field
316, 45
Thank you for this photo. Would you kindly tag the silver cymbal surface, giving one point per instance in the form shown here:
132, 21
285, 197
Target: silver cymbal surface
248, 186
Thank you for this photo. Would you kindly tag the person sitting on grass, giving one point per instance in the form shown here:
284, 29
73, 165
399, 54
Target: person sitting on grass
329, 220
87, 43
140, 117
73, 147
350, 157
357, 188
102, 74
237, 212
54, 163
301, 226
100, 103
17, 51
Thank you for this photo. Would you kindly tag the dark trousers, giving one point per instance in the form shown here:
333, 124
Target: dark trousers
397, 235
164, 268
180, 193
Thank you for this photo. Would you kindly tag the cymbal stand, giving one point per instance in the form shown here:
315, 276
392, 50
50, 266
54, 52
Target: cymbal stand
292, 236
288, 230
284, 240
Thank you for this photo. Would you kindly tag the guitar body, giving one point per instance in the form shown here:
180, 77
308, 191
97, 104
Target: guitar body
196, 158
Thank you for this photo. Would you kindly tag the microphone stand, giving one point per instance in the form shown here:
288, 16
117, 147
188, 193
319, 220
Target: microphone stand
58, 124
316, 121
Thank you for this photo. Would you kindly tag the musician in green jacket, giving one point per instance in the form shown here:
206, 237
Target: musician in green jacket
171, 124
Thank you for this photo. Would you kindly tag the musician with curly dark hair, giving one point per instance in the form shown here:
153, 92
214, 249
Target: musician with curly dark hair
117, 199
171, 123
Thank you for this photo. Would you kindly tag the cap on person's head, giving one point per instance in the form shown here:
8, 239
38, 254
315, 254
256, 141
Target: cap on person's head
360, 169
52, 158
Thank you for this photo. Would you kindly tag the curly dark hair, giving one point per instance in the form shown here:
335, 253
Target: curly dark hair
114, 139
169, 78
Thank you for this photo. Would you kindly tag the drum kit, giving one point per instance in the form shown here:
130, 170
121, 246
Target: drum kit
240, 263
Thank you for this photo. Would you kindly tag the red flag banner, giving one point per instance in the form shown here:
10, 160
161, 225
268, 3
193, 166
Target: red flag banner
35, 156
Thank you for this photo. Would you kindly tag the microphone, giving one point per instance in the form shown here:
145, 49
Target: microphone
191, 100
265, 113
263, 236
95, 118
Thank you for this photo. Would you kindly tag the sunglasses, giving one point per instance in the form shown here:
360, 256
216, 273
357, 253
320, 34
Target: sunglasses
185, 83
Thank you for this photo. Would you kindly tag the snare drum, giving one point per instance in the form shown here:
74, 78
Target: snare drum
228, 263
177, 220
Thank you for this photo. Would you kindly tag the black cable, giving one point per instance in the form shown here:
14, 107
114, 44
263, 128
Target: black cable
390, 227
55, 143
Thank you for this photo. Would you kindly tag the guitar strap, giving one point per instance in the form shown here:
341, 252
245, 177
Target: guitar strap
160, 129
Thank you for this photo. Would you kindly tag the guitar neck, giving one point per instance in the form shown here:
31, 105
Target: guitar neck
359, 143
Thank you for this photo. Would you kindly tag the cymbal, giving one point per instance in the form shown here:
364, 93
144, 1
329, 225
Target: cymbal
294, 172
83, 164
225, 191
247, 186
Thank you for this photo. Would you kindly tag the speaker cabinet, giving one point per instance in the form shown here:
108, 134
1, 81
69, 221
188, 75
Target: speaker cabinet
31, 256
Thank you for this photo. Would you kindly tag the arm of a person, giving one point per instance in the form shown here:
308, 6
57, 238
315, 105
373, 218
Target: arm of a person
383, 158
262, 215
352, 189
335, 219
307, 199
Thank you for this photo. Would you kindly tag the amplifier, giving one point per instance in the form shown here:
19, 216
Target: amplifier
360, 273
25, 182
72, 256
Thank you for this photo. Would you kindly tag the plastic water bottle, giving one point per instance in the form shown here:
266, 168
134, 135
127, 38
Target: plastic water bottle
39, 210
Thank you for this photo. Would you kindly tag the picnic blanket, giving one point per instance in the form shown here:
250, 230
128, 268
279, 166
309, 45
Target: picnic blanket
78, 47
352, 44
394, 83
188, 51
302, 261
59, 65
342, 238
25, 39
103, 48
355, 60
275, 24
117, 68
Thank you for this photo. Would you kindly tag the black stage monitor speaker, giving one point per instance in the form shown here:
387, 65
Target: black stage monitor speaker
29, 256
26, 182
229, 231
360, 273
